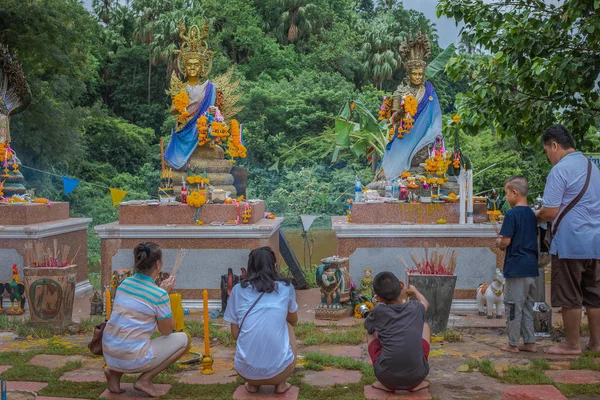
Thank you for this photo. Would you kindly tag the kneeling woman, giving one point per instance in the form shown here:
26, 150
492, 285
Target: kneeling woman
262, 310
139, 308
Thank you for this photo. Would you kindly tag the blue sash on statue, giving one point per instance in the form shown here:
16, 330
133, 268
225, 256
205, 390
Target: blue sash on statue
184, 142
427, 125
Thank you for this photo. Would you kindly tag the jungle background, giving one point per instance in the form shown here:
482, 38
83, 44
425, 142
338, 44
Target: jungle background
99, 104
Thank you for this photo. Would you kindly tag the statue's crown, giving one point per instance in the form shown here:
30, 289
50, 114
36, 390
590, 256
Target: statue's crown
415, 51
194, 45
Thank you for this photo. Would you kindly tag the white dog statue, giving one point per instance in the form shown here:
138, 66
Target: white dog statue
492, 295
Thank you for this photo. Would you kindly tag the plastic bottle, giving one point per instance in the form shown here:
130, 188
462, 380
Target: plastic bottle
388, 189
358, 196
183, 191
214, 314
395, 189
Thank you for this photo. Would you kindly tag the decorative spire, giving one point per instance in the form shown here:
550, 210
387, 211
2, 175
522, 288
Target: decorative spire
414, 52
194, 46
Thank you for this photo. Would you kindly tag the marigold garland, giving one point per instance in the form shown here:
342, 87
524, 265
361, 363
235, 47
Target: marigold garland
197, 198
410, 105
385, 111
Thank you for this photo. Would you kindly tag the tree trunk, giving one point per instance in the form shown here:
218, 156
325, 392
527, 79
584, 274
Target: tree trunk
374, 161
149, 71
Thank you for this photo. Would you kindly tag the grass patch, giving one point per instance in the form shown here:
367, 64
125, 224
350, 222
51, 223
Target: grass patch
526, 376
61, 348
87, 325
485, 366
222, 334
452, 336
540, 364
89, 390
312, 335
571, 390
586, 361
326, 360
24, 328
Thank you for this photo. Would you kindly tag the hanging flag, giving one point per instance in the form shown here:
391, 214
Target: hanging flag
307, 221
117, 195
69, 184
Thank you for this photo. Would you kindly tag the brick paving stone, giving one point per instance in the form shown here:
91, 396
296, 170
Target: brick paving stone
31, 386
195, 377
56, 398
265, 392
531, 392
577, 377
331, 377
85, 374
132, 394
376, 394
4, 368
53, 361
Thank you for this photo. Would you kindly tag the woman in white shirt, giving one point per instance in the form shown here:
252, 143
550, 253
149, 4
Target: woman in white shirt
262, 310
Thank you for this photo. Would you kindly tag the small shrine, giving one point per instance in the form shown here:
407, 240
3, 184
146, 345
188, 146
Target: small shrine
422, 193
25, 219
201, 203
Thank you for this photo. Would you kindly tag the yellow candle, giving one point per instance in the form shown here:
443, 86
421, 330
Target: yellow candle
177, 310
206, 333
107, 300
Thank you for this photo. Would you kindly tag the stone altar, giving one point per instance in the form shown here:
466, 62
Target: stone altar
378, 245
210, 249
21, 223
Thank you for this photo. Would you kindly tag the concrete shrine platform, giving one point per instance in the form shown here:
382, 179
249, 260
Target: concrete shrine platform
210, 249
378, 246
22, 223
417, 213
183, 214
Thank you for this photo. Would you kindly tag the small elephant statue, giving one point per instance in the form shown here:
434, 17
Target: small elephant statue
492, 295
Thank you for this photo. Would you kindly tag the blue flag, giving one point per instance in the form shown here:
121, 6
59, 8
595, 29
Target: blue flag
69, 184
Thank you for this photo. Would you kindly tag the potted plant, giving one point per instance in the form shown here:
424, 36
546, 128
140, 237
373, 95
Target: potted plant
434, 277
50, 284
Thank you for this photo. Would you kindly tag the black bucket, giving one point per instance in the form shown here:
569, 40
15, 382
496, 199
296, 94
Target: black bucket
439, 291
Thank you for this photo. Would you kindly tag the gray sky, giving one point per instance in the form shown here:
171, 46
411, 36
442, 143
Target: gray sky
447, 30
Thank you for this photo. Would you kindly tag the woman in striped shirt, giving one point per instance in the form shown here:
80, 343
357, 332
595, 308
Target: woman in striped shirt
140, 307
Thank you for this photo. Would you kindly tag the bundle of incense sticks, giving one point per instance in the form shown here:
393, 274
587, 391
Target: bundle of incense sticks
441, 262
38, 256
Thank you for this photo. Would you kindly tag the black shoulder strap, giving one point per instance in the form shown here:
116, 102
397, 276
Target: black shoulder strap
250, 309
575, 200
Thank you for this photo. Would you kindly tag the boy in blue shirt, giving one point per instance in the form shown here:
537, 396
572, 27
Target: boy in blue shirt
518, 236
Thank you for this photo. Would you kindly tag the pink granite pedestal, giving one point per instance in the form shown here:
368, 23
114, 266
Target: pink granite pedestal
210, 249
378, 245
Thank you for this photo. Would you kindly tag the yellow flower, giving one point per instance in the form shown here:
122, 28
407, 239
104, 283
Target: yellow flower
197, 198
181, 101
456, 118
405, 174
410, 104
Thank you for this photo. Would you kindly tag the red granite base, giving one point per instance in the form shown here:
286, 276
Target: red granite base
32, 213
182, 214
420, 213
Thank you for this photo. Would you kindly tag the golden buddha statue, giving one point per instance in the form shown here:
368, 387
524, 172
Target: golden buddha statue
200, 106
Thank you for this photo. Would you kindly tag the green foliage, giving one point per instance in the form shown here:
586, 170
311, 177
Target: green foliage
539, 65
112, 140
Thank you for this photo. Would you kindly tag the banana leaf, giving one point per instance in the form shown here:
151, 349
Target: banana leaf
439, 63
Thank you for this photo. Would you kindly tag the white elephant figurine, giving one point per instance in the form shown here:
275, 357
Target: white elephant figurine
492, 295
